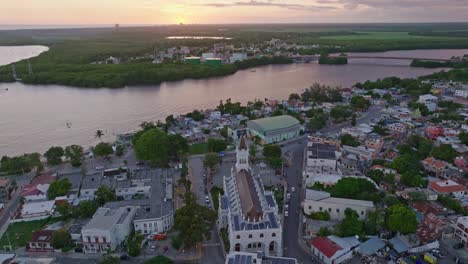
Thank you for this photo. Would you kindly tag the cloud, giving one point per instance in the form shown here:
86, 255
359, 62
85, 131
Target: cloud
396, 4
270, 3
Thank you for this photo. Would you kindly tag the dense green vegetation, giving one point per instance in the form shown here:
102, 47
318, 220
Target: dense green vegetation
72, 51
193, 222
326, 59
439, 64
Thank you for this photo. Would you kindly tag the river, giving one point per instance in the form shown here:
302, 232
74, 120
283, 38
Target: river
35, 117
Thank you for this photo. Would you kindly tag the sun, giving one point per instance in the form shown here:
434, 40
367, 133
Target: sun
181, 20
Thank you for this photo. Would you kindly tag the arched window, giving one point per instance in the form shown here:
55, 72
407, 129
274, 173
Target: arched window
261, 234
238, 237
273, 235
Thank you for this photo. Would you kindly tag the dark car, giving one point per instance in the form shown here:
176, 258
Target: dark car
458, 246
124, 257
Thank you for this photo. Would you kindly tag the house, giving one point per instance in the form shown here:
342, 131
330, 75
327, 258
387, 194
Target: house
431, 228
318, 201
133, 189
36, 211
40, 241
435, 166
433, 132
429, 101
461, 230
371, 246
383, 169
107, 229
332, 249
448, 187
397, 128
5, 184
37, 189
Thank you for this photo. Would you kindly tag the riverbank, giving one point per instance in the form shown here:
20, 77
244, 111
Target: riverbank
126, 74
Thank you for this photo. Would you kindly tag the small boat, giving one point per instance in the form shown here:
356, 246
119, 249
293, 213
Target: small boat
253, 70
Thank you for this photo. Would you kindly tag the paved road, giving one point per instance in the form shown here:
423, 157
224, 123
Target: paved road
373, 112
197, 171
291, 223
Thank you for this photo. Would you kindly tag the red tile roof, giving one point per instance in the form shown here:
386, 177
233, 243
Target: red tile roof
43, 179
30, 190
428, 207
326, 246
446, 186
435, 163
42, 236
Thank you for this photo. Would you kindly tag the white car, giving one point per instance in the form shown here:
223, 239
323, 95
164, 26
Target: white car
286, 213
207, 199
99, 167
293, 189
288, 196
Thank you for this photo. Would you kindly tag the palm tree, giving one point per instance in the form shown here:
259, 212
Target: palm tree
99, 134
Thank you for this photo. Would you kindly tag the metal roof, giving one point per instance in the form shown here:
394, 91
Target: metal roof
273, 123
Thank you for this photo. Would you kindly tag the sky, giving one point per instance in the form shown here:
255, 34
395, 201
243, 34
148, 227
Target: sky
127, 12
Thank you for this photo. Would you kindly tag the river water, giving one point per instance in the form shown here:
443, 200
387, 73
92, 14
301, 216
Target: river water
35, 117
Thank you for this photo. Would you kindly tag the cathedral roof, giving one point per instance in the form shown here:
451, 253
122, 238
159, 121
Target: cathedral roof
249, 200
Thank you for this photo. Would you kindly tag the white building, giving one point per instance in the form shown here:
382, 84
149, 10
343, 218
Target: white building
429, 101
321, 155
461, 230
237, 56
133, 189
461, 93
107, 229
37, 210
318, 201
448, 187
333, 249
256, 258
323, 175
207, 55
248, 211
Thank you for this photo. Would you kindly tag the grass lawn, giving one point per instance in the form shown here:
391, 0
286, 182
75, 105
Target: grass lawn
19, 234
198, 148
378, 36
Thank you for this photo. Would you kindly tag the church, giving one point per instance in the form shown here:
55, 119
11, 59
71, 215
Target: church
249, 213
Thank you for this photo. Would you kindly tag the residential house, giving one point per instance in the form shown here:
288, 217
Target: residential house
40, 241
435, 166
334, 250
36, 211
429, 101
448, 187
37, 189
321, 155
461, 230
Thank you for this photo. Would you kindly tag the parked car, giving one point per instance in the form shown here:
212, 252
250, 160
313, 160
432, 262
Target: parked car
99, 167
207, 199
293, 189
286, 213
458, 246
124, 257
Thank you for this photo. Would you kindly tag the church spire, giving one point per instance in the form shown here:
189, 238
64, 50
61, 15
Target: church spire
242, 156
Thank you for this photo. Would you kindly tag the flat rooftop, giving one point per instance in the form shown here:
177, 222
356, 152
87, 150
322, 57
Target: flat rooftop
158, 205
106, 218
320, 151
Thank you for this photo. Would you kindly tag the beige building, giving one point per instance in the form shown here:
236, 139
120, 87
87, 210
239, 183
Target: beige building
318, 201
461, 231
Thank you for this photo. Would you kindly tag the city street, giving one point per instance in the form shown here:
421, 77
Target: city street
291, 222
